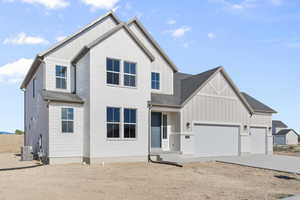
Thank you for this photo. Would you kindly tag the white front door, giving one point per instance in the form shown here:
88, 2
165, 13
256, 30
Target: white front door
258, 140
216, 140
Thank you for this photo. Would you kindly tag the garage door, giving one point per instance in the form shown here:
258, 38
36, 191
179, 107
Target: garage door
215, 140
258, 140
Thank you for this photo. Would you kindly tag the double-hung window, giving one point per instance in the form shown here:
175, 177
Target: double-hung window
155, 80
61, 77
112, 71
67, 118
129, 123
130, 74
113, 122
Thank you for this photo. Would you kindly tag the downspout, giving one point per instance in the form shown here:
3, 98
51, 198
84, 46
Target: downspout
149, 143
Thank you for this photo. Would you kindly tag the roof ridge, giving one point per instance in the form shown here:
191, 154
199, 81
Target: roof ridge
202, 73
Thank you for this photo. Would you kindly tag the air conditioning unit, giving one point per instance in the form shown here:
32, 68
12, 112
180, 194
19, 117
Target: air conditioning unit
26, 153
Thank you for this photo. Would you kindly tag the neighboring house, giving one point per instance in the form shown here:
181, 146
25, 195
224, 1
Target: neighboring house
110, 93
286, 137
277, 126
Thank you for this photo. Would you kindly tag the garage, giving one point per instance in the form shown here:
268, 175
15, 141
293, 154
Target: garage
258, 137
216, 140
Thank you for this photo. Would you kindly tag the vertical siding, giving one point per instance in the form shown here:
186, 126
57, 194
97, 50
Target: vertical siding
65, 144
159, 65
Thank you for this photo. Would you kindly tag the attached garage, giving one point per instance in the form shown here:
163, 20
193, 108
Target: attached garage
216, 140
258, 140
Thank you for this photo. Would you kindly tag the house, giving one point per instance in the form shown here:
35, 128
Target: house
286, 137
110, 93
277, 126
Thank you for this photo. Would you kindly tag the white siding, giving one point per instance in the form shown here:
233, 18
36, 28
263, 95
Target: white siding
159, 65
122, 47
64, 55
291, 138
65, 144
36, 113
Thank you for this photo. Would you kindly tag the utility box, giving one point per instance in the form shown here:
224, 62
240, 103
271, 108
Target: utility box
26, 153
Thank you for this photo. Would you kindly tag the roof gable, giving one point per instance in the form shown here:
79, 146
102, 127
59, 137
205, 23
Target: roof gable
153, 42
256, 105
287, 131
279, 124
124, 26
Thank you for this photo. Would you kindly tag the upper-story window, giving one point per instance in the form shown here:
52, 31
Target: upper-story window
67, 117
155, 80
112, 71
33, 88
61, 77
129, 74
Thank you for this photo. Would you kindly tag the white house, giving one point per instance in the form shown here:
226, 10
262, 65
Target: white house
286, 137
110, 93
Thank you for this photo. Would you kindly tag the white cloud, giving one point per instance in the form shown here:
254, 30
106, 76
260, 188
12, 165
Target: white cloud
60, 38
211, 36
23, 38
50, 4
277, 2
180, 32
101, 4
171, 22
14, 72
246, 4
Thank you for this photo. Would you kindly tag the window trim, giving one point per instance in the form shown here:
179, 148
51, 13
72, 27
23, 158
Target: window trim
160, 85
61, 77
135, 75
67, 120
120, 124
114, 72
136, 122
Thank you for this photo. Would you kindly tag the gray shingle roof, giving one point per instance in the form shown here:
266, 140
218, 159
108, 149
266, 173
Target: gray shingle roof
256, 105
184, 86
61, 97
285, 131
278, 124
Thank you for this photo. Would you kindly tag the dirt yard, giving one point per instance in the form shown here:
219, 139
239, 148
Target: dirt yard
143, 181
288, 150
11, 143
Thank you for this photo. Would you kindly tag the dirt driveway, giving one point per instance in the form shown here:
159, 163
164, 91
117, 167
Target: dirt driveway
144, 181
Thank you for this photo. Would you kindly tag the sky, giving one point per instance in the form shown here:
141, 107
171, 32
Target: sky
256, 41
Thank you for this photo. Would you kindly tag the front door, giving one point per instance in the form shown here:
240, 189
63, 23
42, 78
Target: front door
155, 130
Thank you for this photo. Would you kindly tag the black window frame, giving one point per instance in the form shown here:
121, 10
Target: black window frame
113, 72
61, 77
130, 74
155, 80
68, 120
165, 126
114, 123
130, 124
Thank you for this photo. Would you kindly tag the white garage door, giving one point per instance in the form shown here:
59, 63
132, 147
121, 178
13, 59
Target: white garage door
215, 140
258, 140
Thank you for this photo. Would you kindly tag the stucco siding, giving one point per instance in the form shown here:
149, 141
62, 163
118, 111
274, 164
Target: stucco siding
119, 46
159, 65
65, 144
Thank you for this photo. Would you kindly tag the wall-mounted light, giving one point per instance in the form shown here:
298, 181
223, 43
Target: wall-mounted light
245, 127
188, 125
270, 128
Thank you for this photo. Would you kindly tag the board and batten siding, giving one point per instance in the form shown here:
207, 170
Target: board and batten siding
36, 113
119, 46
65, 144
159, 65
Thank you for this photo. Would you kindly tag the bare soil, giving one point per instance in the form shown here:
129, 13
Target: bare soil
143, 181
11, 143
287, 150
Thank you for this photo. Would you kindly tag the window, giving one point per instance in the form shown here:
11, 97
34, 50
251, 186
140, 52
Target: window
155, 80
113, 122
112, 71
67, 115
61, 77
129, 74
33, 88
129, 123
165, 127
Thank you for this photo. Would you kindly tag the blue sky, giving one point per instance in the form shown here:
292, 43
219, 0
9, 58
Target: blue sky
257, 41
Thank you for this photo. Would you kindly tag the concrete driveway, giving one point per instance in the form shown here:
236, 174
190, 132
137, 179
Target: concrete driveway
287, 164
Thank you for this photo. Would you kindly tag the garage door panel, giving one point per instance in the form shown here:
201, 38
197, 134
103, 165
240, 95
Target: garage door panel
216, 140
258, 140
